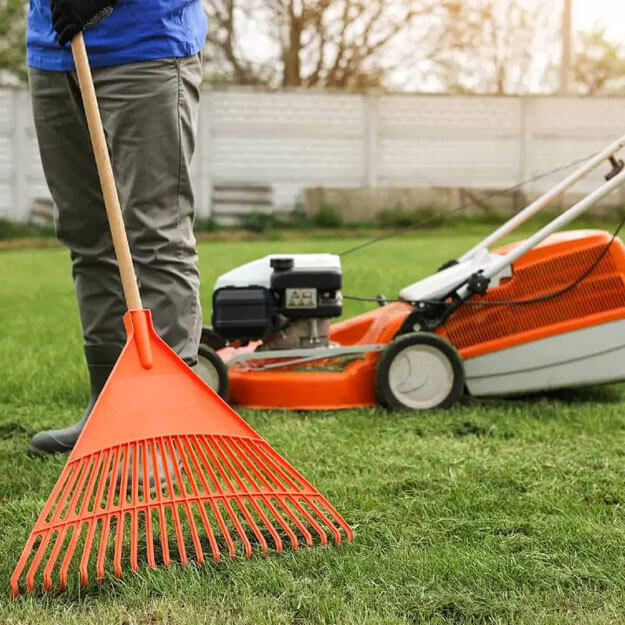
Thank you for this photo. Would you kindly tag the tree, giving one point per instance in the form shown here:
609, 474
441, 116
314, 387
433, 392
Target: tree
599, 66
12, 35
490, 46
344, 44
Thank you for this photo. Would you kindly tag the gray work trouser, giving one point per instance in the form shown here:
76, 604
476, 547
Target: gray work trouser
149, 111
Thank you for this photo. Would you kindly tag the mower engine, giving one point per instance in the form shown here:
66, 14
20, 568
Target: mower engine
284, 301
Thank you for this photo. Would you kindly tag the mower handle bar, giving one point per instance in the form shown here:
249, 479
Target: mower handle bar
557, 224
546, 199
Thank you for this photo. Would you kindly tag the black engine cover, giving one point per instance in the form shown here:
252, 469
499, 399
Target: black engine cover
253, 312
307, 294
245, 314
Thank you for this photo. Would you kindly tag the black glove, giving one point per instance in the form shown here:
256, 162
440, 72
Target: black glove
69, 17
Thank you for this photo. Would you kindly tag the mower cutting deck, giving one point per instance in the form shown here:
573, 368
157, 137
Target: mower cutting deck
541, 314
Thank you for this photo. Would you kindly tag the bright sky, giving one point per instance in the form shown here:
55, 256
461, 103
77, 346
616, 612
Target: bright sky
609, 13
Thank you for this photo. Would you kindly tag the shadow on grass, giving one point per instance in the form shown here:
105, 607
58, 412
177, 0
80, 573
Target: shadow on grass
608, 394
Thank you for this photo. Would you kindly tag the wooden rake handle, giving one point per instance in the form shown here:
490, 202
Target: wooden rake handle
105, 172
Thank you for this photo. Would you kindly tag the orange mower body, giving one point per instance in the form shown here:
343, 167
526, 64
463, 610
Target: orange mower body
570, 340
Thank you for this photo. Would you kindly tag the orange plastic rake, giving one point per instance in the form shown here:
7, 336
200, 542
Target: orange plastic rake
162, 460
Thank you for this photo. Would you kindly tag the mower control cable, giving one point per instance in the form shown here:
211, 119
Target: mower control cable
462, 207
566, 289
478, 289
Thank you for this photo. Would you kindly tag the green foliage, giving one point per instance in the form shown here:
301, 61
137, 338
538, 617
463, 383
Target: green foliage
205, 224
258, 221
399, 217
12, 37
328, 217
494, 512
13, 230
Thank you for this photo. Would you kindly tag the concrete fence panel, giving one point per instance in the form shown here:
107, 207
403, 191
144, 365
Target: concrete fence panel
290, 141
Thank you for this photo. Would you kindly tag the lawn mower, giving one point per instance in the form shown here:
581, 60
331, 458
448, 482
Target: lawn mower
545, 313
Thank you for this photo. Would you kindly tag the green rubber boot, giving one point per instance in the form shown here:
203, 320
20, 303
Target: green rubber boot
100, 361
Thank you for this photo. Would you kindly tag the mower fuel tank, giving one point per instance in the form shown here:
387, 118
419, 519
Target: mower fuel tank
242, 313
268, 295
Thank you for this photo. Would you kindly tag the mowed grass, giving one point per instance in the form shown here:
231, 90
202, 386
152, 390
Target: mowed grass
499, 511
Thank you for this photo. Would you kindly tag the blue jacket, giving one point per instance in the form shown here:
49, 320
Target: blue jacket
138, 30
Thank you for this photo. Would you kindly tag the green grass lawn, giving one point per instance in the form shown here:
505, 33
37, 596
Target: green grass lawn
494, 512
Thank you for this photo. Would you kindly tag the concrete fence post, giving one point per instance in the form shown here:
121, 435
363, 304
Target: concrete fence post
372, 139
203, 185
525, 139
20, 156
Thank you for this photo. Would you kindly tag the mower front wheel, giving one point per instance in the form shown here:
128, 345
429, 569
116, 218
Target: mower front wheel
212, 369
420, 371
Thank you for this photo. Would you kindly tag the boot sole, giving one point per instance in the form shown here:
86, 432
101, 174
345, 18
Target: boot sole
42, 453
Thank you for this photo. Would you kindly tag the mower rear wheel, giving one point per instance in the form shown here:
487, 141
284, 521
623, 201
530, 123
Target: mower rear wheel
420, 371
212, 369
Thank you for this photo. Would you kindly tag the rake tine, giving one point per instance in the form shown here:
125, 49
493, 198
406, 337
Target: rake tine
273, 474
264, 547
134, 512
113, 481
104, 538
336, 516
30, 543
149, 537
207, 526
112, 488
182, 452
315, 502
176, 449
268, 478
102, 461
312, 522
86, 468
69, 484
240, 501
235, 519
69, 556
285, 526
257, 508
247, 546
279, 496
161, 511
88, 465
55, 518
119, 534
54, 554
43, 547
308, 539
86, 552
252, 450
84, 561
270, 458
58, 497
184, 560
215, 508
194, 534
324, 518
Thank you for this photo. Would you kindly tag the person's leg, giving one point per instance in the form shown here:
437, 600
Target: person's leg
150, 112
81, 226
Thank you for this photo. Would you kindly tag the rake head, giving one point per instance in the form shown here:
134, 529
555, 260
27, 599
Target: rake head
164, 470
